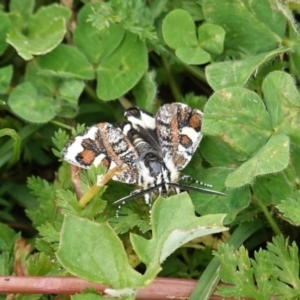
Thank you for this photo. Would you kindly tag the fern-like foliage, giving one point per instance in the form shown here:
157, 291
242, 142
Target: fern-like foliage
272, 272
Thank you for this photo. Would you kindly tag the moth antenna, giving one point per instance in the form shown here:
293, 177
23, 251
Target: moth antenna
196, 189
138, 193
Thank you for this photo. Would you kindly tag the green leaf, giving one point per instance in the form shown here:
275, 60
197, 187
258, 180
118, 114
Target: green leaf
290, 208
192, 55
271, 189
7, 237
237, 18
17, 143
46, 30
122, 69
5, 78
285, 261
46, 211
75, 66
211, 204
49, 233
210, 278
39, 264
6, 149
145, 91
87, 296
6, 263
236, 269
237, 72
27, 103
5, 26
178, 29
211, 38
94, 252
239, 117
64, 93
22, 7
68, 202
101, 43
283, 102
173, 224
218, 153
271, 158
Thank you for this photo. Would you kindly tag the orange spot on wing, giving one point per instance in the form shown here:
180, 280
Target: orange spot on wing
185, 141
87, 156
195, 121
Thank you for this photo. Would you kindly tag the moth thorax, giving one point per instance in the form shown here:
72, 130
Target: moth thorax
153, 162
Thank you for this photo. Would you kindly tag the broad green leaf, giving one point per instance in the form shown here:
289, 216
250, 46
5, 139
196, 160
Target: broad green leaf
192, 55
28, 104
270, 15
70, 90
231, 204
295, 60
271, 158
283, 102
211, 38
5, 26
178, 29
145, 91
17, 142
218, 153
47, 13
237, 73
173, 224
119, 72
239, 118
245, 31
194, 8
63, 92
293, 168
45, 31
5, 78
75, 66
95, 44
94, 252
22, 7
290, 208
272, 188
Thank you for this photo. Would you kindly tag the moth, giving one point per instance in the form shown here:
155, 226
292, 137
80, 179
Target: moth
153, 149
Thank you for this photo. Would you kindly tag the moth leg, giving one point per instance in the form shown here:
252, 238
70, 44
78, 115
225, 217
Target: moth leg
132, 194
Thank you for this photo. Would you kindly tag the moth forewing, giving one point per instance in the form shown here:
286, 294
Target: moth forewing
106, 144
179, 132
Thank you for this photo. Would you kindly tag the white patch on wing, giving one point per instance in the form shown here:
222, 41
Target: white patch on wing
146, 121
191, 133
126, 129
99, 159
74, 148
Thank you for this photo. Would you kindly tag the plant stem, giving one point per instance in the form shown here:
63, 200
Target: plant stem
268, 216
173, 85
60, 124
89, 195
